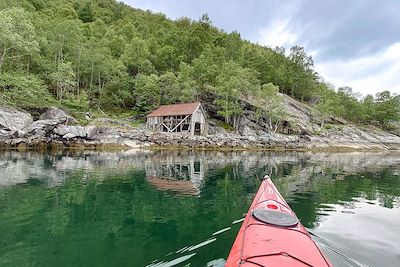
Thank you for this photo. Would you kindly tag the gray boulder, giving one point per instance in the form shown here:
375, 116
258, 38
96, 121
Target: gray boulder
54, 113
70, 131
19, 134
41, 127
103, 134
12, 119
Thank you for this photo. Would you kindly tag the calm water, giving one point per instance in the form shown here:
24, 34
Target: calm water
170, 208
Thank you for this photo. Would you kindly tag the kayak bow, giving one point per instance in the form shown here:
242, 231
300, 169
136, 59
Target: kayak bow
271, 235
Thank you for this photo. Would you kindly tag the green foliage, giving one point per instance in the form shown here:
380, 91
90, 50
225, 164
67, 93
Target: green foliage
146, 92
169, 88
232, 83
272, 101
17, 35
381, 110
301, 81
118, 92
24, 90
86, 12
136, 57
64, 80
76, 102
189, 88
387, 108
225, 125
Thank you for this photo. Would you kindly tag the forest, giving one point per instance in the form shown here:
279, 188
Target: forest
105, 55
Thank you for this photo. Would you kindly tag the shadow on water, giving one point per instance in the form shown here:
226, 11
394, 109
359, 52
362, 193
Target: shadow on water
180, 208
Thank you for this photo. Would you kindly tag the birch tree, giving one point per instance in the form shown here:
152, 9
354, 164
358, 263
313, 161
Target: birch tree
17, 35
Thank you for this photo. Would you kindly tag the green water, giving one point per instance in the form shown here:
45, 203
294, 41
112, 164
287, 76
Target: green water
170, 208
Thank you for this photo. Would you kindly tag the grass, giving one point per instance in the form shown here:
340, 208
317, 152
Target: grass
224, 125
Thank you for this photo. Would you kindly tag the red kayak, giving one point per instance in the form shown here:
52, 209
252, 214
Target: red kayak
271, 235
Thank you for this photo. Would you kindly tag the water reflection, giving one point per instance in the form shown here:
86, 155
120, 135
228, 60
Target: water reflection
166, 208
183, 175
53, 169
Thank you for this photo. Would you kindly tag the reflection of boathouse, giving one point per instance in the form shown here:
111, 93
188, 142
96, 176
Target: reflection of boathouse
184, 177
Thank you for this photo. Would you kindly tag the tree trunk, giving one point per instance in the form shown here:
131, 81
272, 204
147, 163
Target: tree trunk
100, 89
59, 92
276, 126
91, 76
2, 56
78, 75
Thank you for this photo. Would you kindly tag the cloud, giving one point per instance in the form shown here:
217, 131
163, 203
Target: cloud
347, 29
367, 75
279, 34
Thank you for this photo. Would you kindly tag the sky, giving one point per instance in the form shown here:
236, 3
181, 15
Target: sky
353, 43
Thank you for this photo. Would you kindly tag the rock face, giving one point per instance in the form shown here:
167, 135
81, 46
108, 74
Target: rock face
54, 113
12, 119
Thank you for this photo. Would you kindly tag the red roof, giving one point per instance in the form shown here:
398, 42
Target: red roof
176, 109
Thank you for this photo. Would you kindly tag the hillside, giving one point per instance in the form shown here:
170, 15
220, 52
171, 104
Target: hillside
104, 57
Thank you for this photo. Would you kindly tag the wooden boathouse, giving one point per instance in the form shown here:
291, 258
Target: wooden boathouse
187, 118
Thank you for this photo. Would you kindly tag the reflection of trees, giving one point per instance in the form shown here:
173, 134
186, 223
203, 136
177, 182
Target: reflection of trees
334, 186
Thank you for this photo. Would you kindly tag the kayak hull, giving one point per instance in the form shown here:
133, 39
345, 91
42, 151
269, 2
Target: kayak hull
274, 238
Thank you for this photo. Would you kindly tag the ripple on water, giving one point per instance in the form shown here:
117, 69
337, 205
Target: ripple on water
172, 262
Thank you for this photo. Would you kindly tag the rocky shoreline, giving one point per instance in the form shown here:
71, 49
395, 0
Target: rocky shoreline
53, 130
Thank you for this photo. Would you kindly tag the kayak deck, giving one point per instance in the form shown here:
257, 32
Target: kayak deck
272, 236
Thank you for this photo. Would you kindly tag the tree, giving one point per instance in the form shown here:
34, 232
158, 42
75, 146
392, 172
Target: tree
146, 92
329, 103
301, 76
352, 109
272, 101
24, 90
17, 35
118, 91
64, 80
299, 57
368, 106
232, 83
189, 88
167, 58
204, 71
387, 108
85, 12
169, 90
136, 57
